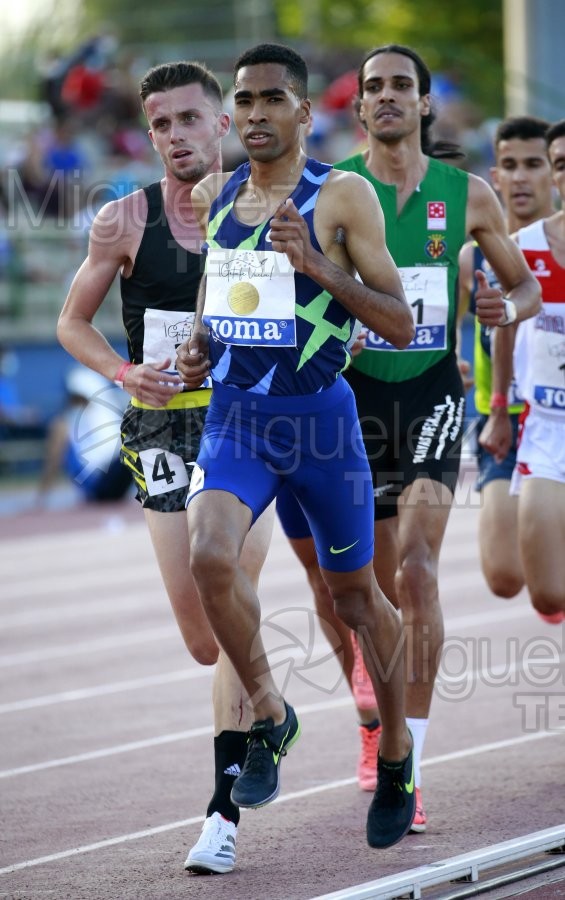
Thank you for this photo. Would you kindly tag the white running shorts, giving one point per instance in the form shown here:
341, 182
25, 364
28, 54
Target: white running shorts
541, 451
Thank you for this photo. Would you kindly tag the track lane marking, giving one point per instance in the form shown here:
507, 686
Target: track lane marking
188, 674
287, 798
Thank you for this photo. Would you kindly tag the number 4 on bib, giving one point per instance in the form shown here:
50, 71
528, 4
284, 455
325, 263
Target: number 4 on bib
163, 471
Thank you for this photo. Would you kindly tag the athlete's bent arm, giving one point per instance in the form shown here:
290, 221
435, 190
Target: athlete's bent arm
90, 286
109, 251
485, 221
496, 436
466, 255
349, 225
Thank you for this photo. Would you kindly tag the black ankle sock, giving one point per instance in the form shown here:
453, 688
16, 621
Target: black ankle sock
230, 750
370, 726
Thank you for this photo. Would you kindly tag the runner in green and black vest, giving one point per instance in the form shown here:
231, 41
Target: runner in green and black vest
411, 402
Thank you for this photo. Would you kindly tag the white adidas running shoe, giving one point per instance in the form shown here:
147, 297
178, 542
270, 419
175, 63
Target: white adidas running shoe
214, 850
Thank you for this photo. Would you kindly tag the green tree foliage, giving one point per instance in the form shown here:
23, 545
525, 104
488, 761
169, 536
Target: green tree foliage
463, 39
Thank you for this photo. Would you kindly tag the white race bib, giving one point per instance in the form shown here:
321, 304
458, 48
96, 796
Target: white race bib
164, 332
250, 297
426, 292
548, 358
163, 471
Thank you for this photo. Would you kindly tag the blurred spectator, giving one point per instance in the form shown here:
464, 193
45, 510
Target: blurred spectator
30, 167
18, 422
76, 83
51, 167
83, 441
13, 413
65, 165
6, 246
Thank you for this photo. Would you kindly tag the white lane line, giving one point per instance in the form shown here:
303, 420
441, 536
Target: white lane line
136, 684
97, 645
295, 795
136, 600
451, 626
152, 742
102, 690
492, 617
71, 582
158, 741
493, 675
101, 644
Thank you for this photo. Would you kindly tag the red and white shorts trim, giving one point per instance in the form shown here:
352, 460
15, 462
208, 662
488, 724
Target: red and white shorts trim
541, 450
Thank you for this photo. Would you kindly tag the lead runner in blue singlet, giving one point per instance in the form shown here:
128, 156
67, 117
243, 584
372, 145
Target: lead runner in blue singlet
284, 237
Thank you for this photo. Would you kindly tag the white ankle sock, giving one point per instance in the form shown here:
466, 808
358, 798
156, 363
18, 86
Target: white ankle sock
418, 727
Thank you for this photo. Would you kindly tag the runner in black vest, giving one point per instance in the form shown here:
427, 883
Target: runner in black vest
152, 240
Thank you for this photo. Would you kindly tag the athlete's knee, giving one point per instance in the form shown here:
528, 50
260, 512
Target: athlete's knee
504, 584
416, 579
203, 649
351, 606
213, 565
548, 599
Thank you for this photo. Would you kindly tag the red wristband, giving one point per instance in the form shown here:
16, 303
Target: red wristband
498, 401
120, 375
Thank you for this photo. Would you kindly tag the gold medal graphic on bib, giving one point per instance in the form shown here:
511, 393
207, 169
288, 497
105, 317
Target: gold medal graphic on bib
243, 298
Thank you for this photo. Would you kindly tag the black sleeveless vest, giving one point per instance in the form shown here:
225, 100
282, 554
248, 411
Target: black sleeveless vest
164, 275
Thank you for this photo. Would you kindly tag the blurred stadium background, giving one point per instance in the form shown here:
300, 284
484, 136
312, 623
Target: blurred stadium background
72, 137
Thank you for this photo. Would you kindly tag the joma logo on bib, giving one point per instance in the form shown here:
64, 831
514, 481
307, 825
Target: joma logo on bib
549, 397
252, 332
432, 338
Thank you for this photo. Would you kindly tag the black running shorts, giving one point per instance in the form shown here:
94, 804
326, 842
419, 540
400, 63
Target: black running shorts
412, 429
160, 447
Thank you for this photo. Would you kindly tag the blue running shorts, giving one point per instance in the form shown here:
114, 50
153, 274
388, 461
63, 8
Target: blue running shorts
253, 444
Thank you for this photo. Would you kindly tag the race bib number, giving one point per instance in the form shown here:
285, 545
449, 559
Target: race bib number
250, 297
163, 471
425, 288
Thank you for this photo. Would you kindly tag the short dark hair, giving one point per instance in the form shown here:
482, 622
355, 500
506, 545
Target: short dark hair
171, 75
437, 149
284, 56
555, 131
525, 128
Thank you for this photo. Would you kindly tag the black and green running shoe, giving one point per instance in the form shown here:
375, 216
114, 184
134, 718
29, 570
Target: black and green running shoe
259, 782
392, 808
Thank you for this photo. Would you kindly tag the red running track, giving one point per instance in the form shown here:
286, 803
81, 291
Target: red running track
105, 758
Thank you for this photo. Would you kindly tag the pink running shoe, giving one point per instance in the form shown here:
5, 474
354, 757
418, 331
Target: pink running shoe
552, 618
361, 685
420, 819
367, 764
